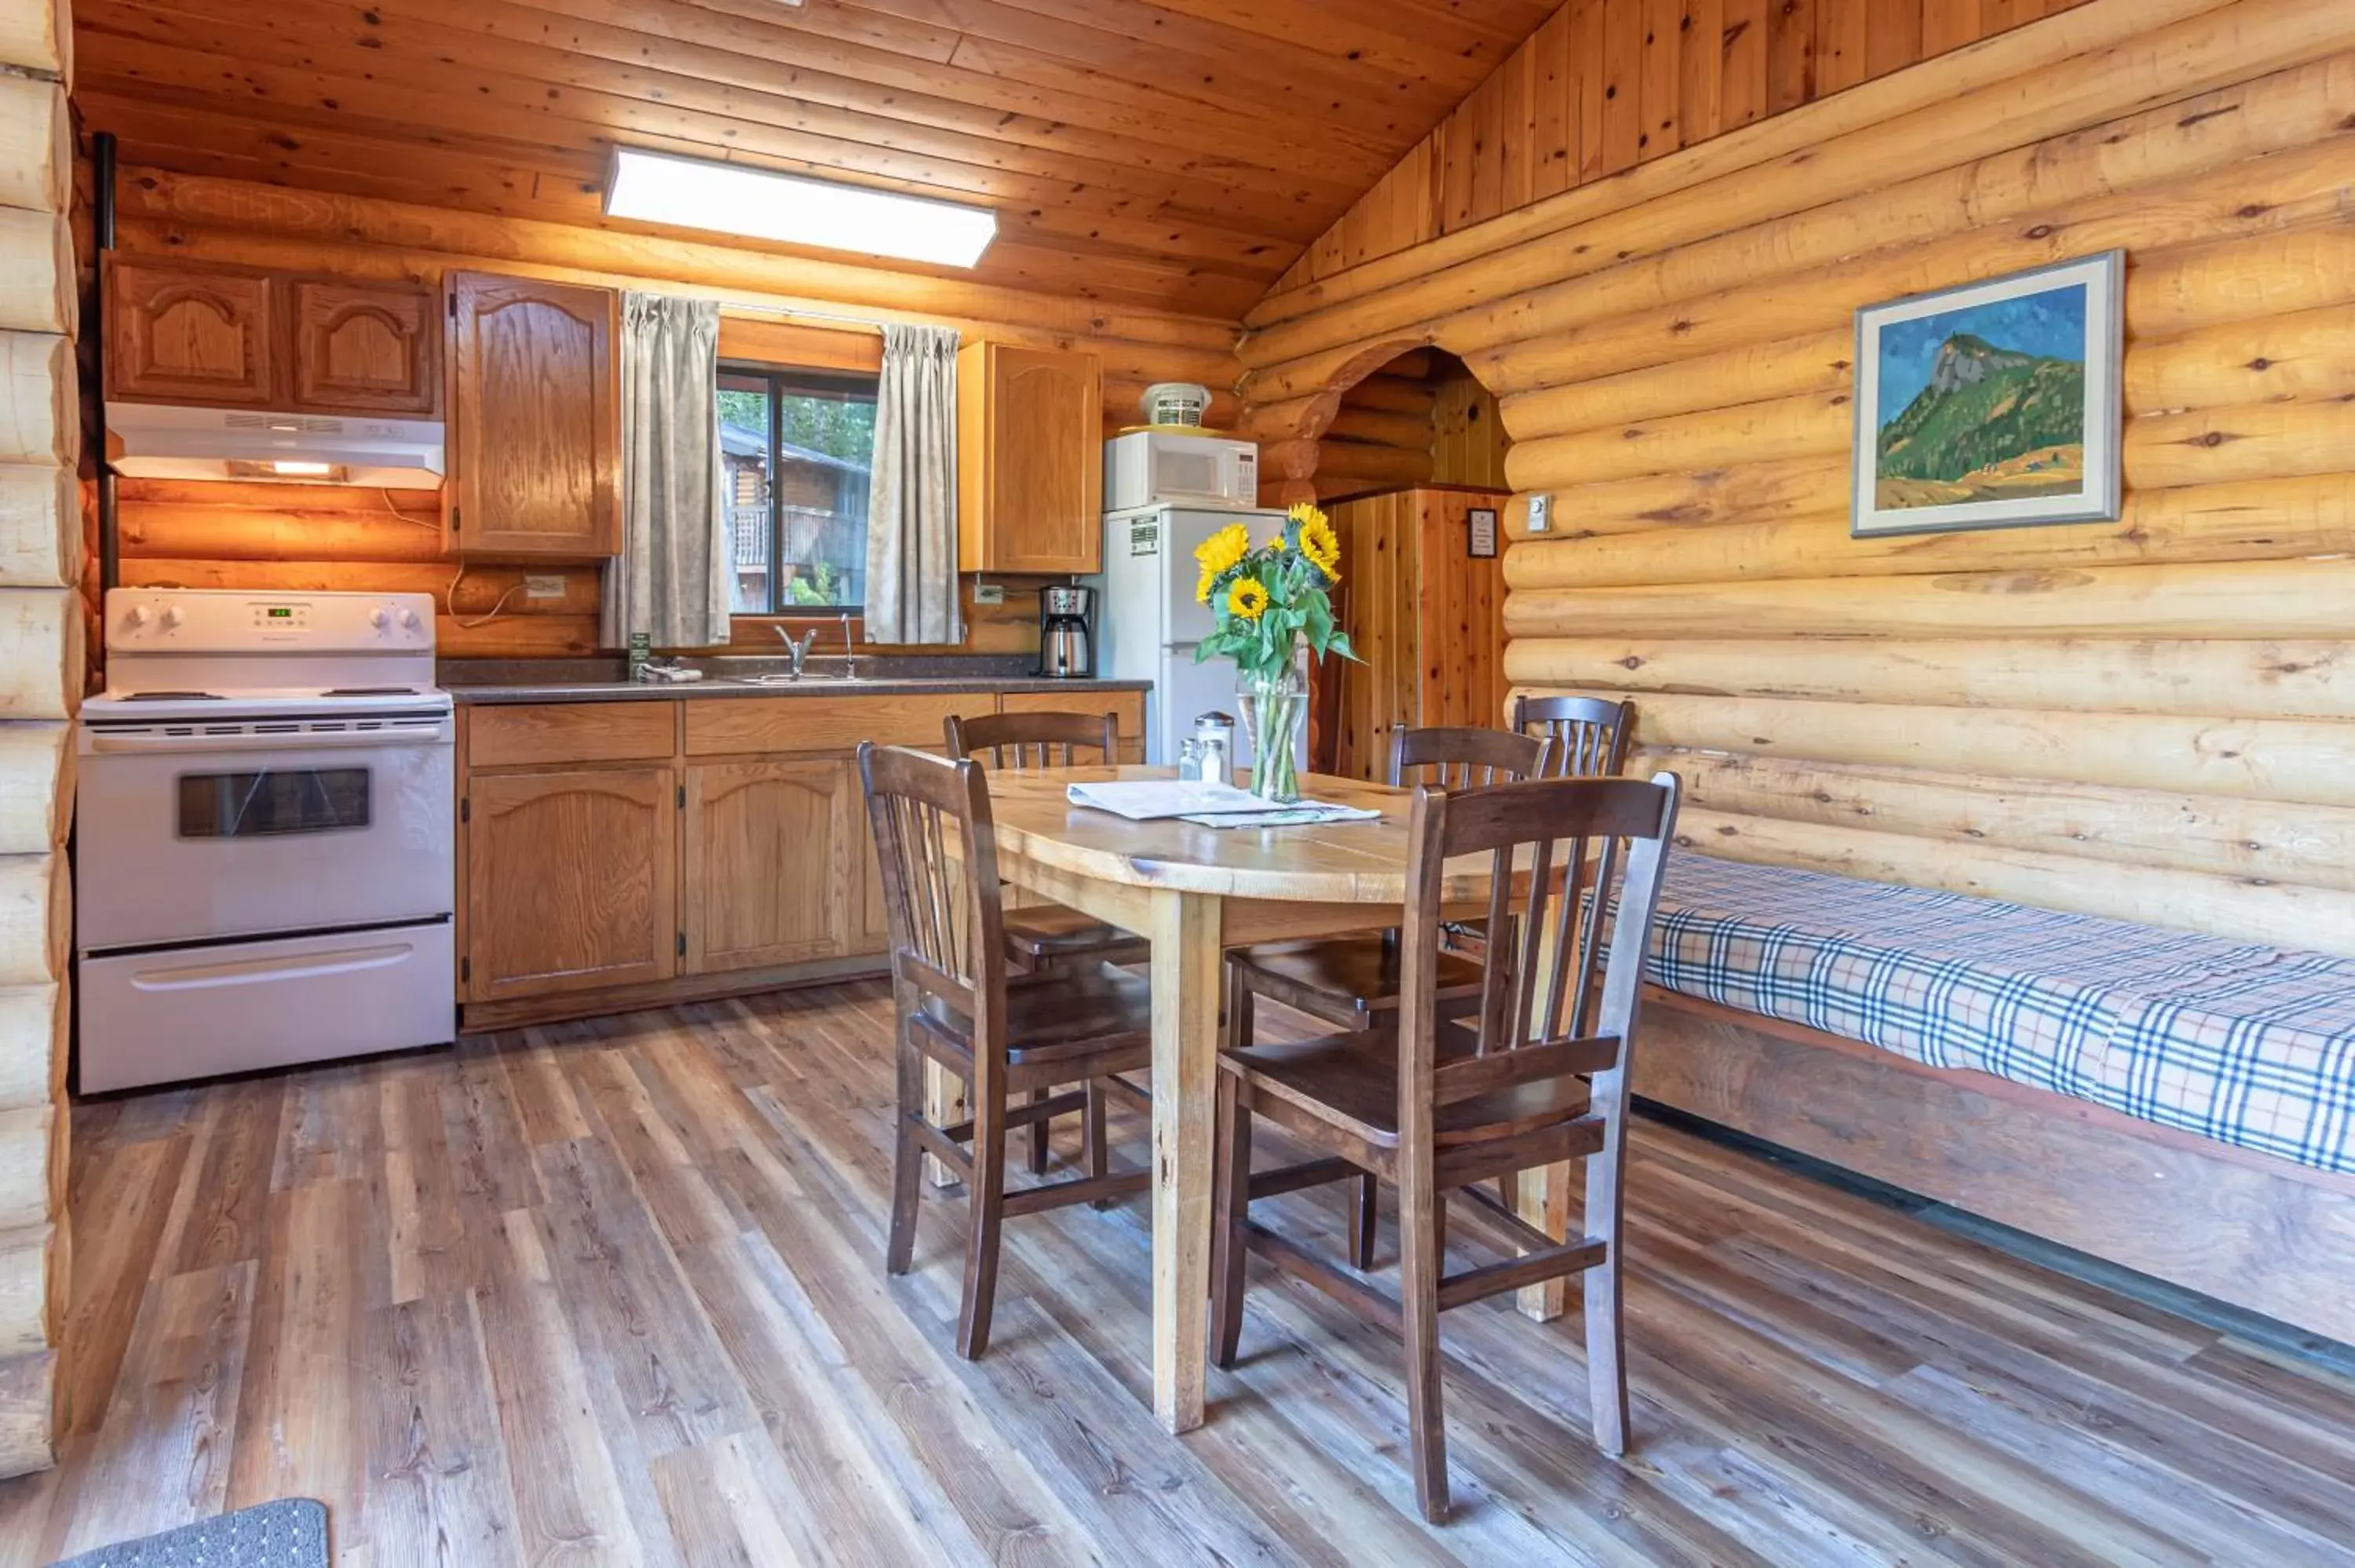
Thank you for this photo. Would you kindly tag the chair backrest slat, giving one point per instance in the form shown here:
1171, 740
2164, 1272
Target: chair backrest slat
1011, 741
945, 911
1458, 759
1590, 734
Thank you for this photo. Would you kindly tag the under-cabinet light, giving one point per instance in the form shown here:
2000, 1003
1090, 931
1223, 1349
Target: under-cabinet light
286, 469
696, 193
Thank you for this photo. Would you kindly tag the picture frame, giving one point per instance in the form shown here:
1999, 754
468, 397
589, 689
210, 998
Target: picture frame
1480, 533
1992, 405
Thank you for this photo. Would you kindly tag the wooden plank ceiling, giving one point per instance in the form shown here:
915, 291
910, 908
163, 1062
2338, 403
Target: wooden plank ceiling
1177, 154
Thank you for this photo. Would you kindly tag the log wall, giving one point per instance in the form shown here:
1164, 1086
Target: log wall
324, 537
40, 683
2152, 718
1606, 85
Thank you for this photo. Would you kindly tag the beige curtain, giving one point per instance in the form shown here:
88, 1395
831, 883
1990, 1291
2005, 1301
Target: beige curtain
911, 521
671, 579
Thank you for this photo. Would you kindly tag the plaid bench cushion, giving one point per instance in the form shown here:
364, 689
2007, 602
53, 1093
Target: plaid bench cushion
2250, 1045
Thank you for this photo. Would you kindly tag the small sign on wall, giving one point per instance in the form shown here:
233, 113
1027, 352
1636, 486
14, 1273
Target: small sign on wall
1481, 531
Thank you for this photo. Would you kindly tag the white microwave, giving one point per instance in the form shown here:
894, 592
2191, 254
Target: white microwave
1151, 468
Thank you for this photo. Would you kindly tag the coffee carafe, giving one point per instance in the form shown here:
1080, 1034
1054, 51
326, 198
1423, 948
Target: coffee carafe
1066, 632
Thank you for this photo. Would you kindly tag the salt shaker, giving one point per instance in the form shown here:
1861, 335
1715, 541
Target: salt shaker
1216, 733
1190, 761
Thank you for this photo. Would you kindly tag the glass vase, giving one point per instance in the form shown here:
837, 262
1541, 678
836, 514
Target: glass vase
1275, 712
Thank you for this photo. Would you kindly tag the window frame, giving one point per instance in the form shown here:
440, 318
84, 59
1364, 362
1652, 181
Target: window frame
781, 381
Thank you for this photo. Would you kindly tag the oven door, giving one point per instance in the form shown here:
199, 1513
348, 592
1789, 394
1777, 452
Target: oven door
254, 826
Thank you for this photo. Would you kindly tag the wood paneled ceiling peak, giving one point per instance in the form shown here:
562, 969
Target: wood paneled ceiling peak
1171, 153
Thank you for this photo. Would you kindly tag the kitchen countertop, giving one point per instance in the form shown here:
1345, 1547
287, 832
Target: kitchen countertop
594, 691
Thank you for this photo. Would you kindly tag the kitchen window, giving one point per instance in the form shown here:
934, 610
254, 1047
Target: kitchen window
797, 448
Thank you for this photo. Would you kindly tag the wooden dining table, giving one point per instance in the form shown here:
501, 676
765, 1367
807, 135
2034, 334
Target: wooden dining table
1195, 892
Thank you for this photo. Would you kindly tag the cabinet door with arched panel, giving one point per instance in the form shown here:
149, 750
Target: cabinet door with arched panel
772, 865
363, 348
572, 875
185, 335
535, 436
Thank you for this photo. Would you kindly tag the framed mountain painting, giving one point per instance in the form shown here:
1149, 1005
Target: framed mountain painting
1992, 406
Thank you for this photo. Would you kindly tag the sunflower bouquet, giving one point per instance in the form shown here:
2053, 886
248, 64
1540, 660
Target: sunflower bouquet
1267, 601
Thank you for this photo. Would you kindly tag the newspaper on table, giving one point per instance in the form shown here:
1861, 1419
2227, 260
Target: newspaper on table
1205, 804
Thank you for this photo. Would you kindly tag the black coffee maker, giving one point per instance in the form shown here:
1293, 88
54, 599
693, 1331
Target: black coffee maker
1067, 639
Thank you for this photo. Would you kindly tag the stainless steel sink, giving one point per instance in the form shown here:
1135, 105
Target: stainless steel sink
807, 678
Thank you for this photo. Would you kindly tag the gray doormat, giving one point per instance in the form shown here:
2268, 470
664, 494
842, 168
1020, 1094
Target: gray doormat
289, 1533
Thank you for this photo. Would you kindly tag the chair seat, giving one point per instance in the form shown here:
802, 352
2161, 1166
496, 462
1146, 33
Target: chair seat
1351, 1080
1048, 933
1085, 1011
1353, 974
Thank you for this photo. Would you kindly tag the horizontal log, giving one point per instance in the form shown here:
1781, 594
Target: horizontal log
2262, 759
26, 1143
1390, 465
40, 408
36, 145
2276, 193
25, 1258
2303, 355
40, 526
2303, 598
173, 530
38, 35
2242, 278
1296, 419
2266, 519
35, 912
41, 667
482, 590
2000, 94
516, 637
2257, 843
27, 1413
33, 1023
1731, 492
37, 273
2255, 680
1410, 432
37, 788
2306, 918
1393, 395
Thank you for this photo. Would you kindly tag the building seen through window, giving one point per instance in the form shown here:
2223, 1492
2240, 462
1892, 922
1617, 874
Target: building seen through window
797, 448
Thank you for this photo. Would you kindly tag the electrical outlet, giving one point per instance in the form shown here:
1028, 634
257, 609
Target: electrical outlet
1541, 513
548, 586
989, 593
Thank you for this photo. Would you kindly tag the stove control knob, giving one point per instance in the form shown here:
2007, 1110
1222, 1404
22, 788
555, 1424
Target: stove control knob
172, 619
409, 621
137, 615
380, 618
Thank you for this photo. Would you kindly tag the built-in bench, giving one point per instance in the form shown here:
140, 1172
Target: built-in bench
2177, 1104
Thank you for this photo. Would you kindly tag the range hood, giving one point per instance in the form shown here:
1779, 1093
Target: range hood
153, 440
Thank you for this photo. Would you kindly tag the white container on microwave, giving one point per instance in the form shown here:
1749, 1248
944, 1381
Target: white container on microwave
1157, 468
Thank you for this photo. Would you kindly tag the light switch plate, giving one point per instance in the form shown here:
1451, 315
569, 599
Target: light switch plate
548, 584
1541, 513
989, 593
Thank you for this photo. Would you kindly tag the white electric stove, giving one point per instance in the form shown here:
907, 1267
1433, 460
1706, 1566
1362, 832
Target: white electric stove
266, 827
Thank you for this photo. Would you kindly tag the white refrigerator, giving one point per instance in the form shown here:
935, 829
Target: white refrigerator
1147, 622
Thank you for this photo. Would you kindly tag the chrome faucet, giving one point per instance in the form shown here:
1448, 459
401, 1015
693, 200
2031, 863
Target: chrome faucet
849, 653
797, 647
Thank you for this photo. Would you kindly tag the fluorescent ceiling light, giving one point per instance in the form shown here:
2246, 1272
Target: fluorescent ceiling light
694, 192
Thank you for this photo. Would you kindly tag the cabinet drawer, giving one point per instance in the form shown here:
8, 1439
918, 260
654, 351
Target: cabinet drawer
538, 733
1127, 706
821, 724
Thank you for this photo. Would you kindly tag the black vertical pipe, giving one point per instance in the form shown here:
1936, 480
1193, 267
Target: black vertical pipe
110, 542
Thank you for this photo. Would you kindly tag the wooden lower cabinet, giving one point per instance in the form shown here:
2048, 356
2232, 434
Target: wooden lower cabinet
772, 853
571, 877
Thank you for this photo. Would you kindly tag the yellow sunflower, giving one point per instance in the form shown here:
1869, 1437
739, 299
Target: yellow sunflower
1224, 549
1317, 540
1247, 599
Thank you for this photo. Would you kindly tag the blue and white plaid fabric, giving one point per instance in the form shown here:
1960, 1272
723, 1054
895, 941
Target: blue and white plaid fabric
2250, 1045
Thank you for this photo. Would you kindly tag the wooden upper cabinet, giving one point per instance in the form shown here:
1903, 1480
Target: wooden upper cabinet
572, 880
534, 432
771, 877
1030, 459
183, 334
365, 349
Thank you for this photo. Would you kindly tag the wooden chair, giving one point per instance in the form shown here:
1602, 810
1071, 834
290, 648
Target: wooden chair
1435, 1111
1353, 982
1041, 936
1589, 735
1006, 1038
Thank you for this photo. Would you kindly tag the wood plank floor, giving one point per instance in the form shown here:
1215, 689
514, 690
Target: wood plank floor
611, 1293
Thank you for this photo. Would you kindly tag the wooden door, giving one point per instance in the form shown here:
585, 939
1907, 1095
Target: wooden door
534, 433
364, 348
1031, 456
571, 879
771, 875
188, 334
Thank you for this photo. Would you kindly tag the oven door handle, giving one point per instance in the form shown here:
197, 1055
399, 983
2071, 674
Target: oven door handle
102, 743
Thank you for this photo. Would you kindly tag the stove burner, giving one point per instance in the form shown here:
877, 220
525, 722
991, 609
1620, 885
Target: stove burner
172, 697
371, 692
